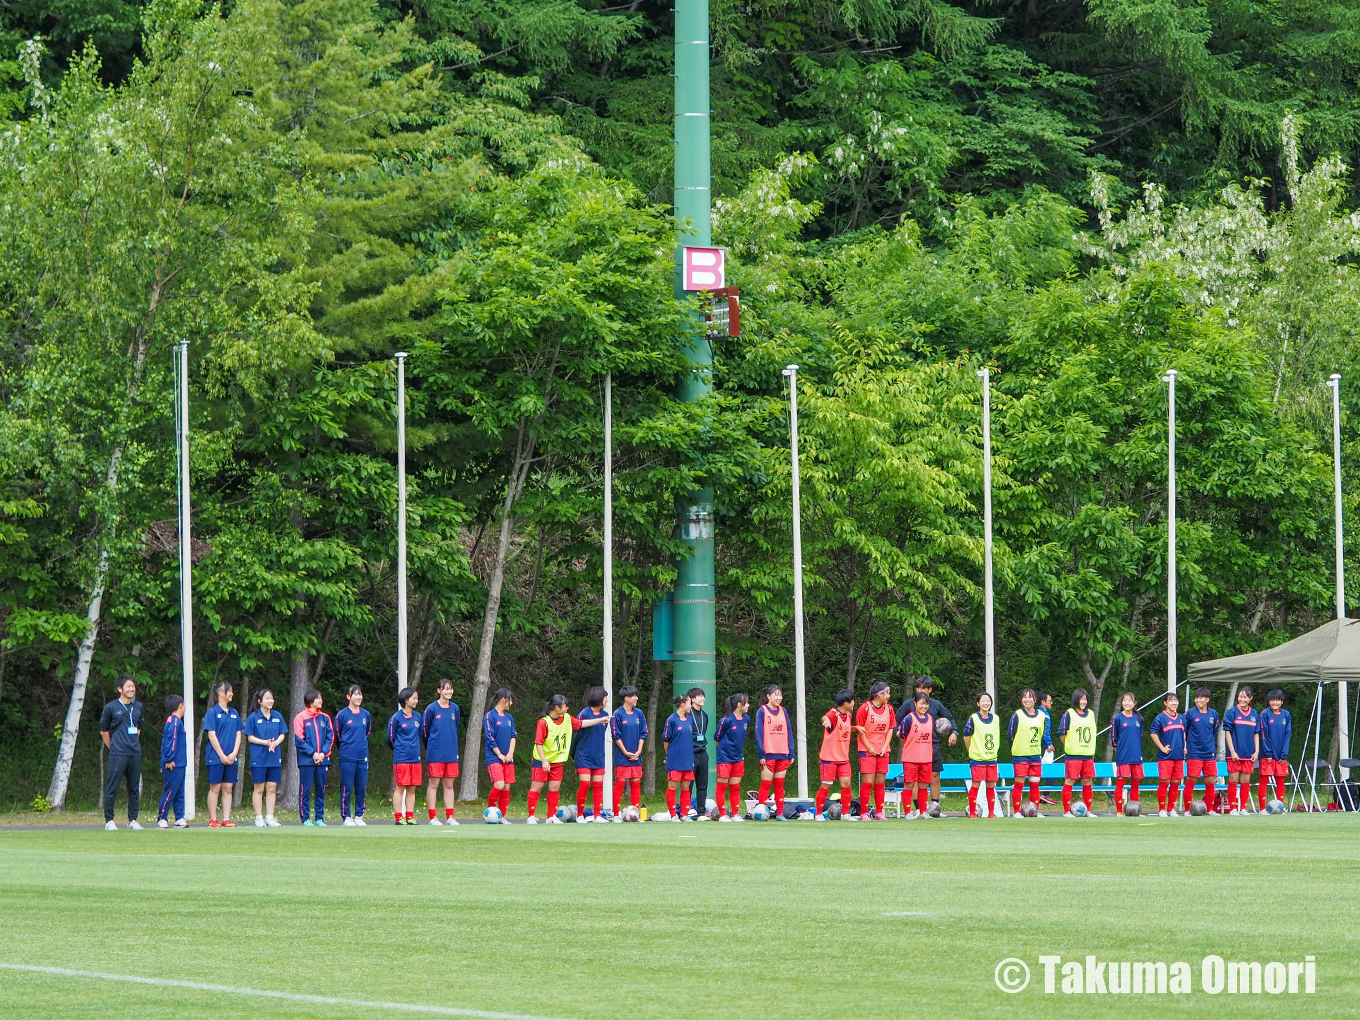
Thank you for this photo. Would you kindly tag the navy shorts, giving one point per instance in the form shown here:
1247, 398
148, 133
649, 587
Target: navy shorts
223, 773
266, 773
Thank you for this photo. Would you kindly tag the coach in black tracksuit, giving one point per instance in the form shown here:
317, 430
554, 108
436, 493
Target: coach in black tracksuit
700, 717
926, 685
120, 726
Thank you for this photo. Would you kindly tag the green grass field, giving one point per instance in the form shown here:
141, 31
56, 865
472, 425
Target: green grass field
873, 920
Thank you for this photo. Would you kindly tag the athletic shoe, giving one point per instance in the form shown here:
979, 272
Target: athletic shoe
1174, 813
582, 820
1234, 812
616, 818
1162, 814
504, 820
181, 824
819, 817
229, 824
359, 822
213, 823
308, 822
601, 819
110, 826
321, 823
849, 818
135, 825
435, 821
914, 815
533, 820
349, 822
738, 818
869, 814
687, 818
272, 822
1038, 814
162, 824
1068, 814
259, 821
450, 821
725, 818
554, 821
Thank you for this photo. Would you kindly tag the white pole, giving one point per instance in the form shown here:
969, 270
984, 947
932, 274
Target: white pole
186, 563
608, 649
1342, 694
989, 622
401, 519
1170, 380
799, 679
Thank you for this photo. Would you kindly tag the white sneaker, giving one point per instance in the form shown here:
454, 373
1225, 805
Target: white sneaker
1162, 814
1038, 814
135, 825
110, 826
1068, 814
450, 821
358, 821
914, 815
849, 818
259, 822
582, 820
272, 822
349, 822
505, 821
533, 820
725, 818
1174, 813
162, 824
435, 821
1234, 812
182, 823
554, 820
601, 819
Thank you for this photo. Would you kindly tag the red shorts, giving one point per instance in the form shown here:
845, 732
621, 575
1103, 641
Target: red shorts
552, 774
916, 772
687, 776
833, 770
1275, 767
634, 771
984, 773
1243, 766
442, 769
731, 769
1129, 771
1029, 769
590, 774
873, 764
502, 772
407, 774
776, 765
1206, 767
1170, 769
1080, 768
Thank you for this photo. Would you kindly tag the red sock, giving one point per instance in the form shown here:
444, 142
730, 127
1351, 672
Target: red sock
1246, 795
1087, 796
533, 803
1119, 795
1189, 794
991, 801
670, 801
597, 796
618, 794
1162, 789
431, 810
922, 800
635, 792
878, 799
1016, 791
684, 802
1034, 791
397, 814
505, 802
581, 790
1133, 790
493, 798
821, 798
1232, 796
865, 792
845, 802
1261, 788
410, 815
553, 797
722, 799
448, 813
1067, 799
972, 801
764, 795
779, 794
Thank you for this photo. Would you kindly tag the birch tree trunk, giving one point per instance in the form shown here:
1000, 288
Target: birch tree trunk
481, 679
299, 679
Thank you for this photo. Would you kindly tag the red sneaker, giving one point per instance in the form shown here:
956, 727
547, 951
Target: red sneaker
213, 823
228, 824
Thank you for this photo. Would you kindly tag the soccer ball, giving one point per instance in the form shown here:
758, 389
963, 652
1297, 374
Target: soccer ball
760, 813
566, 813
833, 811
492, 816
943, 726
1028, 809
712, 814
1132, 809
631, 814
1198, 808
1079, 809
1275, 807
933, 809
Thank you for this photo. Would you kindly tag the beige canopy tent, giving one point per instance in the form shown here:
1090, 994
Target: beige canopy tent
1330, 654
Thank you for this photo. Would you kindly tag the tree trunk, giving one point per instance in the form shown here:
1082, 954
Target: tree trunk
481, 679
653, 736
299, 679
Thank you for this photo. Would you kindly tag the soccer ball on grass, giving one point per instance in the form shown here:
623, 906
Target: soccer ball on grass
492, 816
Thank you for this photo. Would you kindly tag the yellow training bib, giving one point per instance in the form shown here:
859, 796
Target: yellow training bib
1080, 738
985, 740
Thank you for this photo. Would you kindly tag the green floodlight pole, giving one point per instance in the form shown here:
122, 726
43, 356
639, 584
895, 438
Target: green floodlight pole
694, 650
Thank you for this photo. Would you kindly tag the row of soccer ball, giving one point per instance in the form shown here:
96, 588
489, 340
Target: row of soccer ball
762, 812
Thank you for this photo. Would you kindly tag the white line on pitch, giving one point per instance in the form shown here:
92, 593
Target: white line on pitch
264, 993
